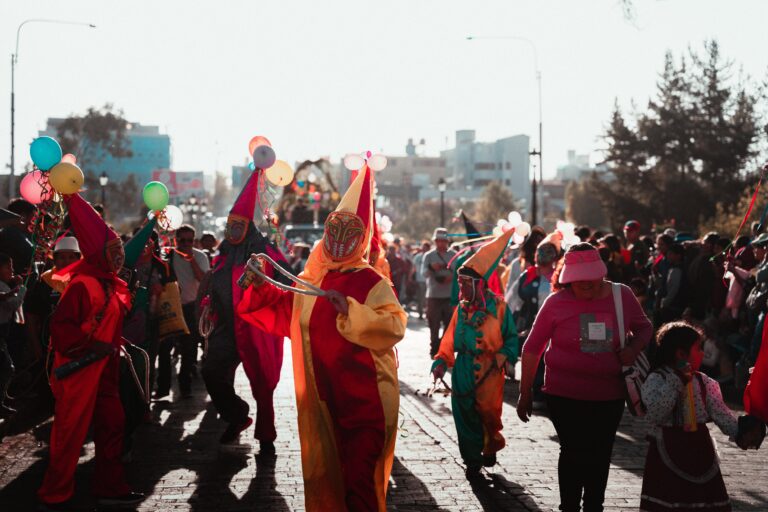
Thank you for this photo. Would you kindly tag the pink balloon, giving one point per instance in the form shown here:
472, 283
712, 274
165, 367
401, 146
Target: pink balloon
257, 141
69, 157
32, 187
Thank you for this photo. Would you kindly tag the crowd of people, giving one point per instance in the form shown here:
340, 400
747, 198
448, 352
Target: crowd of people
104, 318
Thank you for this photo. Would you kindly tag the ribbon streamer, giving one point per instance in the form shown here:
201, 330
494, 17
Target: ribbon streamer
311, 290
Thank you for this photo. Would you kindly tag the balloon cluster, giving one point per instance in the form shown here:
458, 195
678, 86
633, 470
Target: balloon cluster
355, 161
156, 197
513, 221
277, 172
568, 231
53, 173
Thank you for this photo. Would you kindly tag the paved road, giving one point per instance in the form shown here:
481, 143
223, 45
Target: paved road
179, 465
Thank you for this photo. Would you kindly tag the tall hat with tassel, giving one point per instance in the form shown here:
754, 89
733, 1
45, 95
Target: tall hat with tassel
487, 257
93, 235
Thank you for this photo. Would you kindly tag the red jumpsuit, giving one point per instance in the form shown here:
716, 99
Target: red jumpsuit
89, 393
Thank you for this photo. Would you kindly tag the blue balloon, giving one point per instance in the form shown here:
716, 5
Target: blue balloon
300, 183
45, 152
252, 166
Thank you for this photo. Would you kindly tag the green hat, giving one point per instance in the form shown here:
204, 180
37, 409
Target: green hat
135, 246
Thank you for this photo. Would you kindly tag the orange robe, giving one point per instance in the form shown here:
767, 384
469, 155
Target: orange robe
347, 392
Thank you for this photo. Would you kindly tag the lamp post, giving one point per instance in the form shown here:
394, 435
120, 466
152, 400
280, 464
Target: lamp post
14, 61
538, 153
441, 186
103, 180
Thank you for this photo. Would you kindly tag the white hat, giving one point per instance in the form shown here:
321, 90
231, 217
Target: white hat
67, 243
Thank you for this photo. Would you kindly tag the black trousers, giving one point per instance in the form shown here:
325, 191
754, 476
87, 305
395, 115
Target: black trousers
187, 345
586, 430
219, 375
439, 311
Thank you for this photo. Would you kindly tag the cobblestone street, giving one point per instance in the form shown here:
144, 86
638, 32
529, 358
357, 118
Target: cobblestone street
180, 466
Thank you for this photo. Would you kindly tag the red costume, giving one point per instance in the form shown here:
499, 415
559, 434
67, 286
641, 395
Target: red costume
91, 310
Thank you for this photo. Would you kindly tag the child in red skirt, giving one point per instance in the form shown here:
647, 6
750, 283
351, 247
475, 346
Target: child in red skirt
682, 471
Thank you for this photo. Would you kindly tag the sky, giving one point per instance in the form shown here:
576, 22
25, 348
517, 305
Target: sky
326, 78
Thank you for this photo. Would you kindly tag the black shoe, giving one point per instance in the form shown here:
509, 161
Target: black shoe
266, 448
132, 498
6, 412
233, 431
489, 460
473, 472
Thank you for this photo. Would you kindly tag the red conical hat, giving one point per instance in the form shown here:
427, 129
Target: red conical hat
91, 231
245, 204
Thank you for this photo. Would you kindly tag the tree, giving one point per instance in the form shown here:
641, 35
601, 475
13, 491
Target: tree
688, 152
91, 137
581, 207
495, 203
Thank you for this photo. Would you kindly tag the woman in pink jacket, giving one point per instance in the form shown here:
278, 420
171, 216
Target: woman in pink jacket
577, 326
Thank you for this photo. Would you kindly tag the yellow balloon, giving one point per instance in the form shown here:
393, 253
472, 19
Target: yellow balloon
280, 174
66, 178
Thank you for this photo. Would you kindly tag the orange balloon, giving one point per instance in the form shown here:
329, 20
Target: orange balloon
257, 141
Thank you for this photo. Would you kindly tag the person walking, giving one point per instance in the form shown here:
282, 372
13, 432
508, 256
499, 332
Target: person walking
435, 268
577, 326
421, 280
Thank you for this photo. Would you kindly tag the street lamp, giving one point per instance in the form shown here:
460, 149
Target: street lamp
103, 180
441, 186
538, 153
14, 61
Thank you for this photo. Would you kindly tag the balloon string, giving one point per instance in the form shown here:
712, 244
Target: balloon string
311, 290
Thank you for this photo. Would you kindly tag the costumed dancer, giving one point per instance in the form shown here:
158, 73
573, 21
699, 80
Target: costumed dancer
86, 332
682, 471
482, 332
344, 365
233, 340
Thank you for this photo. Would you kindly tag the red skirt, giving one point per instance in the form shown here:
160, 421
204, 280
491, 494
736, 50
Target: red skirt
682, 474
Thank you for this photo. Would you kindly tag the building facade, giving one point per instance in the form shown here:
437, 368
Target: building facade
151, 150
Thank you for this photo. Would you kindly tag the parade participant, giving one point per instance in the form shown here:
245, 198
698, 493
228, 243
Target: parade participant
343, 360
86, 327
65, 252
233, 340
11, 296
577, 327
439, 278
482, 332
681, 469
637, 253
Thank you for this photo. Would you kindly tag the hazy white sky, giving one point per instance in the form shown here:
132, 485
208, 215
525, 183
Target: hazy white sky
331, 77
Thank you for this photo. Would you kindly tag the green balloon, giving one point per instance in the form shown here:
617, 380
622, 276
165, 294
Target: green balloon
155, 195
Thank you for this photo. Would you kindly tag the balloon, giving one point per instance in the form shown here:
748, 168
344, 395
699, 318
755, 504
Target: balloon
518, 239
280, 174
300, 183
354, 162
155, 195
33, 185
500, 222
66, 178
45, 152
523, 229
263, 157
497, 231
257, 141
377, 162
252, 166
174, 218
69, 157
514, 218
506, 227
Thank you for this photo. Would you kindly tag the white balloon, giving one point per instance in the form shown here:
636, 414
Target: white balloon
264, 157
500, 222
497, 231
514, 218
173, 218
523, 229
354, 162
518, 239
377, 162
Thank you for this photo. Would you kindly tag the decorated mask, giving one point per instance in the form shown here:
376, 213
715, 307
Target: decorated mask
344, 233
237, 228
115, 254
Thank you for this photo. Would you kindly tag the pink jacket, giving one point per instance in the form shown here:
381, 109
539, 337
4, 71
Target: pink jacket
577, 366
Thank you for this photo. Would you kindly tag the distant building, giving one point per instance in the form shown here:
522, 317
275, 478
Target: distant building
472, 165
577, 166
182, 185
151, 150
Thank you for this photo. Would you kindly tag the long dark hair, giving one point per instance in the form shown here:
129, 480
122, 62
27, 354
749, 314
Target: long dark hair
672, 337
556, 285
